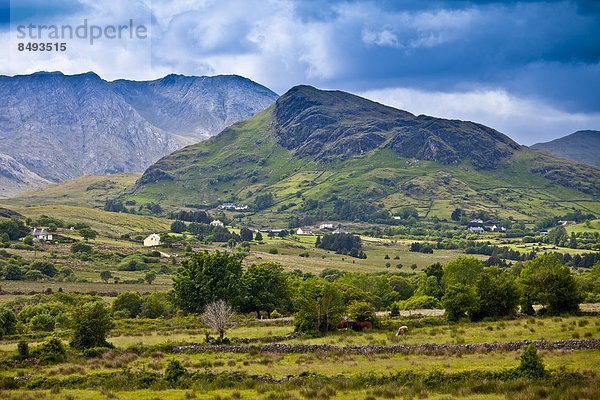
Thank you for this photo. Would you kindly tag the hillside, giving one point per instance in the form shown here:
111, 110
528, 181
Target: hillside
56, 127
581, 146
335, 155
86, 191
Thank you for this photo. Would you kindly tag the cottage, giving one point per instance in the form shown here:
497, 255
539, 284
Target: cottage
339, 231
499, 228
305, 230
476, 229
152, 240
217, 222
567, 223
41, 234
476, 221
326, 225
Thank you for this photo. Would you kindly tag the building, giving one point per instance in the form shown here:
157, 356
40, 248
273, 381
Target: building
339, 231
476, 229
152, 240
476, 221
41, 234
305, 230
217, 222
499, 228
567, 223
326, 225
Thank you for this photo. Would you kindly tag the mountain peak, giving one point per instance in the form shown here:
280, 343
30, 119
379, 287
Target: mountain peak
334, 125
582, 146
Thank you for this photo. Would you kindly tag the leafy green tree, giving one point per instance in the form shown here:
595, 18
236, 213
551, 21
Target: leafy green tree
459, 300
4, 238
91, 323
88, 233
14, 228
548, 282
156, 305
150, 277
45, 267
320, 306
429, 286
13, 273
264, 200
246, 235
498, 293
403, 287
207, 277
105, 276
129, 303
463, 270
361, 311
558, 236
8, 322
28, 240
258, 237
178, 227
264, 289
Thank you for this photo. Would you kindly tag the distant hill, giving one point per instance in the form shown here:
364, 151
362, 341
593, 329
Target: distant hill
581, 146
333, 155
55, 127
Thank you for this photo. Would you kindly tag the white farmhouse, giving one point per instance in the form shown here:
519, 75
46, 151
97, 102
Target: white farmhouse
41, 234
305, 230
217, 222
326, 225
152, 240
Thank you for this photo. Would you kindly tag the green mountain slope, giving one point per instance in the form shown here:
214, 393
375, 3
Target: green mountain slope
582, 146
331, 154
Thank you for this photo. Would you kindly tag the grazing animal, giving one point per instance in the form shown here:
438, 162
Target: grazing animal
403, 330
364, 325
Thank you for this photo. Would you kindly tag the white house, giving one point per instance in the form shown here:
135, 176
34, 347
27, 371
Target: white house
217, 222
339, 231
305, 230
476, 221
326, 225
41, 234
476, 229
495, 228
152, 240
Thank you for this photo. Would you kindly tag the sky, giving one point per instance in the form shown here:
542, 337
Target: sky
530, 69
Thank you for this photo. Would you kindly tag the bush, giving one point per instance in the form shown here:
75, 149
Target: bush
51, 351
273, 251
94, 352
8, 322
175, 371
80, 247
22, 350
532, 365
42, 322
419, 302
129, 303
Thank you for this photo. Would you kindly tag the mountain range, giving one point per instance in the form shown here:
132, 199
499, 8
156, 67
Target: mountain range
581, 146
55, 127
331, 154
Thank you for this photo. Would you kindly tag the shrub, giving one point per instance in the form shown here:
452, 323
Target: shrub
94, 352
129, 303
175, 371
532, 365
51, 351
80, 247
273, 251
22, 350
42, 322
8, 322
419, 302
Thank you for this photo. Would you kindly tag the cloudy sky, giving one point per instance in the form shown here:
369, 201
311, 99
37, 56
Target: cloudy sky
530, 69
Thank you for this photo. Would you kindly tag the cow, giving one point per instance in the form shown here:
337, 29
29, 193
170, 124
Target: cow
403, 330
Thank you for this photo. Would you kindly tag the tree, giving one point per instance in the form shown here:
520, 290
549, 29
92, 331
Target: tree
175, 371
128, 302
548, 282
361, 311
558, 236
429, 286
498, 293
218, 315
28, 240
258, 237
91, 324
88, 233
264, 289
320, 306
8, 322
14, 228
463, 270
150, 277
459, 300
178, 227
205, 278
246, 235
105, 276
264, 200
45, 267
457, 214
